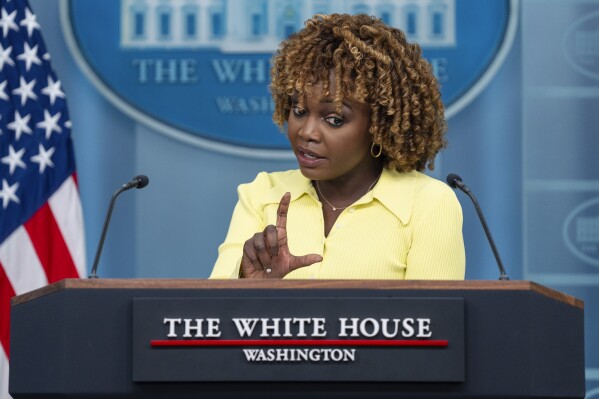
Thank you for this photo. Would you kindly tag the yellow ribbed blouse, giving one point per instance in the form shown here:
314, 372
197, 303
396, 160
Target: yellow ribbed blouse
409, 226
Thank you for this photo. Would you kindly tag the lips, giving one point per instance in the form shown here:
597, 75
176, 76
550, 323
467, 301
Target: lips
308, 158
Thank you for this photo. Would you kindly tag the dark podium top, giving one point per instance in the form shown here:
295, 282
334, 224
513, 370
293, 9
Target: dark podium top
76, 338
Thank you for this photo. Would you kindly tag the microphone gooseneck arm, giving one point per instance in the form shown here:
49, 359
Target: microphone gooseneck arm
138, 182
104, 230
455, 181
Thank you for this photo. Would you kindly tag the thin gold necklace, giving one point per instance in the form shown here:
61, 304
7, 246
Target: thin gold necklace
337, 208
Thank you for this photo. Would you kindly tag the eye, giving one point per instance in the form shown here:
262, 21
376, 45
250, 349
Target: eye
297, 111
334, 121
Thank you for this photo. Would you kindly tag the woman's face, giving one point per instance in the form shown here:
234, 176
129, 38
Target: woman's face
330, 145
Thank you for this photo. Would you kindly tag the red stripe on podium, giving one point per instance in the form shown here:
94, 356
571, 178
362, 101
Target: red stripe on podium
300, 342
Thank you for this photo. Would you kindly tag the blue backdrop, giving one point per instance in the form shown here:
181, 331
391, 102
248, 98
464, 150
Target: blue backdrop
526, 145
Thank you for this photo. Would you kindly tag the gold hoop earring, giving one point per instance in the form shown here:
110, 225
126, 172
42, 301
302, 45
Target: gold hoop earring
379, 152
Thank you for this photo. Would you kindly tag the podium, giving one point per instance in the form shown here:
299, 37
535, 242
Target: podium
160, 338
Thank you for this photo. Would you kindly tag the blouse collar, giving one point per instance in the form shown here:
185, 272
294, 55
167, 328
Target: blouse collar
394, 190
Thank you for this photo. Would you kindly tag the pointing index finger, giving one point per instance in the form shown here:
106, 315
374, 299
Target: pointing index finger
282, 211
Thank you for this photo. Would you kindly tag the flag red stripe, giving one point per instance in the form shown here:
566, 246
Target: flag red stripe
301, 342
66, 207
6, 292
50, 246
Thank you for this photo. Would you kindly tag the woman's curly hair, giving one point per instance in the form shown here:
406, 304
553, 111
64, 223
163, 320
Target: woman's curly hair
373, 64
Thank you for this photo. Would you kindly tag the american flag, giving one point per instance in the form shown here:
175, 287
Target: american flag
41, 223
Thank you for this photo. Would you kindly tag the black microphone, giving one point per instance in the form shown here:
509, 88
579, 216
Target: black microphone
455, 181
139, 181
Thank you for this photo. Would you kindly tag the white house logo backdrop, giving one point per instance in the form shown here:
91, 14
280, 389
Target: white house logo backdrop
198, 70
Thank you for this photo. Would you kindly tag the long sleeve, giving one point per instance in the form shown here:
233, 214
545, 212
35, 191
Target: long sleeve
437, 250
247, 220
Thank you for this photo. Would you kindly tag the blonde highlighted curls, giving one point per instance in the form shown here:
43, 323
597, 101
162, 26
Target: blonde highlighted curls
374, 64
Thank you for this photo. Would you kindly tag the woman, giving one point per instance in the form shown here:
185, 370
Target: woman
364, 118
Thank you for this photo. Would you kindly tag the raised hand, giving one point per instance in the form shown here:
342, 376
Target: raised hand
266, 254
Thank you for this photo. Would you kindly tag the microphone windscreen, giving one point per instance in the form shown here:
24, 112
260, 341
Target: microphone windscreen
143, 181
451, 180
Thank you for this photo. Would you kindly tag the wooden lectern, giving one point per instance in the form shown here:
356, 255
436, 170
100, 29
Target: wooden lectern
157, 338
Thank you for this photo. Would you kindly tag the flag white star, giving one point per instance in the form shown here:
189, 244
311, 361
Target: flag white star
29, 56
30, 21
44, 158
8, 193
50, 123
7, 22
20, 125
13, 159
3, 94
5, 57
25, 90
53, 90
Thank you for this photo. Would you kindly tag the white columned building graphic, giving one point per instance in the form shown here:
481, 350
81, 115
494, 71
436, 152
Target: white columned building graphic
243, 26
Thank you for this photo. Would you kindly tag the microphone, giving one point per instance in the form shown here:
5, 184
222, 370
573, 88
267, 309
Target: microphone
455, 181
139, 181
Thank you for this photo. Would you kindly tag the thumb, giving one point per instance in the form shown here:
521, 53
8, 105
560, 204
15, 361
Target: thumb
305, 260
